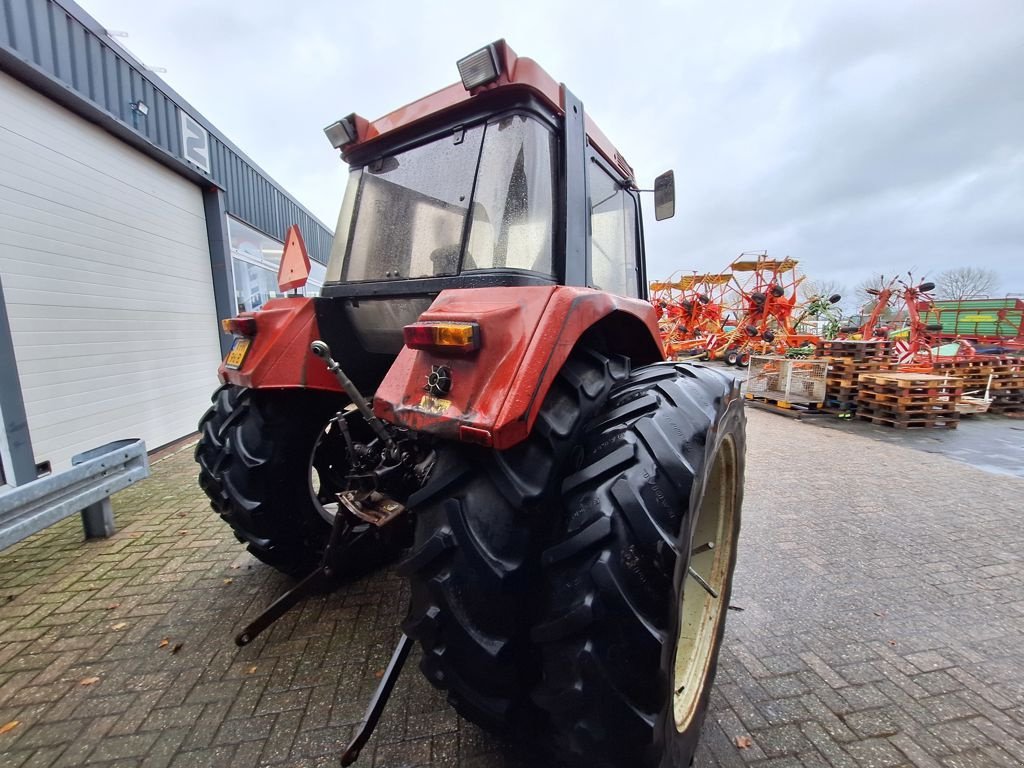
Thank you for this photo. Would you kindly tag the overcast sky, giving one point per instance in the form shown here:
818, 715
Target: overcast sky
860, 138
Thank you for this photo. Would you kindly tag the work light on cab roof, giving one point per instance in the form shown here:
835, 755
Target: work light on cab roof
477, 69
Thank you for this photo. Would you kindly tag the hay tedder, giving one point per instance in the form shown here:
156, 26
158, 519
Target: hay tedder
755, 308
481, 390
690, 312
915, 340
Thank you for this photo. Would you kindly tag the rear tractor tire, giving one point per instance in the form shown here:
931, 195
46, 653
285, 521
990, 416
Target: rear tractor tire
481, 521
630, 637
269, 461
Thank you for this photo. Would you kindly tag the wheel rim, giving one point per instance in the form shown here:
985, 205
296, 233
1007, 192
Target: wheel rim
701, 613
325, 476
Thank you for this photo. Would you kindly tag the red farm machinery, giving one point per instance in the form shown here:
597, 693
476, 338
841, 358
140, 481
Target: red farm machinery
754, 308
481, 391
691, 312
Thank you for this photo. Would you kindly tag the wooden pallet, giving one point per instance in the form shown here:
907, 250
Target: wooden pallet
974, 367
914, 380
929, 422
1015, 383
984, 373
856, 350
839, 406
843, 377
919, 393
906, 411
842, 396
909, 400
783, 404
1006, 409
792, 413
839, 361
904, 397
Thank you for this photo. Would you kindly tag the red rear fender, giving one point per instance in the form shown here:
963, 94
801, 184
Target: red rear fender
279, 355
526, 335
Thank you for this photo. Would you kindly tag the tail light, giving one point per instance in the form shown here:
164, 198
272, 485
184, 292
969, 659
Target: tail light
443, 336
243, 325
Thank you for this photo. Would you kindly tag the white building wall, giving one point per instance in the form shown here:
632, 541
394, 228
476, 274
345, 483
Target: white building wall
106, 270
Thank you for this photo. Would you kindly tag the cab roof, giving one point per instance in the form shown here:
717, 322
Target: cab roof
516, 73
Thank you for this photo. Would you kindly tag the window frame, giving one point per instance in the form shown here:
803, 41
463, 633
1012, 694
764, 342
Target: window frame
596, 158
557, 197
357, 209
484, 119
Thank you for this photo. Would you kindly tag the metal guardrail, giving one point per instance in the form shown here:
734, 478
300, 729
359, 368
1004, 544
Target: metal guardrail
85, 488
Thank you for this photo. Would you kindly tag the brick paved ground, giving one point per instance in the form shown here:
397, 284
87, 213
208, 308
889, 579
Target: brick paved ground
882, 625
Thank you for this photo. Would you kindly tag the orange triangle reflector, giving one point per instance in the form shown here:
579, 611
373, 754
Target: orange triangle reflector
294, 269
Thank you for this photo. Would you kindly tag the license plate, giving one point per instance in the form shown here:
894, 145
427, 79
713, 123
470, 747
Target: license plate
237, 354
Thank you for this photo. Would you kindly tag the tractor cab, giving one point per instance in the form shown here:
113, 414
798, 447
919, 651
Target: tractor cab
497, 181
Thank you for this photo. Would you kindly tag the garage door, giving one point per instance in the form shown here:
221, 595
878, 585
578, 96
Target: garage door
106, 270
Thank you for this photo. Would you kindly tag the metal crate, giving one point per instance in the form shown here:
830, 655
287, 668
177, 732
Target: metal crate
771, 377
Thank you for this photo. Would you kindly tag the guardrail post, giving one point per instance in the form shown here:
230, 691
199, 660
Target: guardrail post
98, 520
83, 489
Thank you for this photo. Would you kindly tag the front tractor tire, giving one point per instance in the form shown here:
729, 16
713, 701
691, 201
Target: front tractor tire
481, 522
630, 637
268, 463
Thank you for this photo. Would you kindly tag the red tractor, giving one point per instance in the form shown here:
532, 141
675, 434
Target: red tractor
569, 500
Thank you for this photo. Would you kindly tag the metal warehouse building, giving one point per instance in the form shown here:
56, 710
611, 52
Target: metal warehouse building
129, 226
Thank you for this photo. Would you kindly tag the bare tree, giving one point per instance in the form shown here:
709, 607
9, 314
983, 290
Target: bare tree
966, 283
825, 289
866, 300
812, 289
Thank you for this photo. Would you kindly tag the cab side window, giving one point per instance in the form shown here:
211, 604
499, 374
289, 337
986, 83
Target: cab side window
613, 235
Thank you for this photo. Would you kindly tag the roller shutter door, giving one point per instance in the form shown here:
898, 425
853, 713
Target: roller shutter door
106, 270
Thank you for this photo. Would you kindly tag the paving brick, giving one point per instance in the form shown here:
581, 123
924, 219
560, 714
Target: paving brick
171, 717
879, 629
782, 740
45, 757
165, 748
874, 722
875, 753
119, 747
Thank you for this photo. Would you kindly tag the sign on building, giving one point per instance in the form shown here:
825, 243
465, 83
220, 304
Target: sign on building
195, 142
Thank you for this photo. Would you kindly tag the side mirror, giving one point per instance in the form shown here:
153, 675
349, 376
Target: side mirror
665, 196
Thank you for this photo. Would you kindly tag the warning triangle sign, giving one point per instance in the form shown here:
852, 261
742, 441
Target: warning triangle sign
294, 269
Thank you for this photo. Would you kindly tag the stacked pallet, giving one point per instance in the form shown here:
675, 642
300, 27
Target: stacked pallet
1003, 377
848, 360
1007, 390
909, 400
842, 383
975, 371
870, 349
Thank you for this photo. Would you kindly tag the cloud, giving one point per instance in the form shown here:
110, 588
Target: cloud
859, 138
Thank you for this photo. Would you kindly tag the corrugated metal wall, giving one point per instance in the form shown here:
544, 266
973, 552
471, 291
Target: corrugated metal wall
66, 44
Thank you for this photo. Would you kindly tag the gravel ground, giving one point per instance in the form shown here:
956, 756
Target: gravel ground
882, 624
